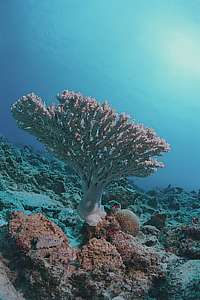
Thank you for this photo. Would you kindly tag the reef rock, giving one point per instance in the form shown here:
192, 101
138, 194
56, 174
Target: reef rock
35, 232
47, 258
184, 281
7, 290
158, 220
137, 256
106, 227
184, 241
100, 269
99, 253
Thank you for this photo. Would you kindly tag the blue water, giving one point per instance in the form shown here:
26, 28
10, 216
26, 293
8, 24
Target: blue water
143, 56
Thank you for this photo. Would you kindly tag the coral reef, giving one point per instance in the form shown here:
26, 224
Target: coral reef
53, 267
184, 281
94, 140
47, 252
184, 241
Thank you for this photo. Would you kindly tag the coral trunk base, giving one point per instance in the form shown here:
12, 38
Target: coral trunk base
90, 207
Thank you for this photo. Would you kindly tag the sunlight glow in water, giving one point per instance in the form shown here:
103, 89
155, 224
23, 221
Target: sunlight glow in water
183, 51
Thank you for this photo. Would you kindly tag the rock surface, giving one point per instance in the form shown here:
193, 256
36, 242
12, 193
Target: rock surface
184, 281
184, 241
7, 290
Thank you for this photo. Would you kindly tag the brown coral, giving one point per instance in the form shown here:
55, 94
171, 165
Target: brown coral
49, 260
104, 228
98, 254
128, 221
136, 256
40, 239
54, 270
30, 232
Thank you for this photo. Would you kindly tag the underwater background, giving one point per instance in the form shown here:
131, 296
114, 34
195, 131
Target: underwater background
67, 234
143, 56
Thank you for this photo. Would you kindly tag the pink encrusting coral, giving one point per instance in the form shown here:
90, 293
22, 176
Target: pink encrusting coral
91, 137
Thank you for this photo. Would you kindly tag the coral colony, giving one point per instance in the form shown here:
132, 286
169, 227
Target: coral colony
100, 144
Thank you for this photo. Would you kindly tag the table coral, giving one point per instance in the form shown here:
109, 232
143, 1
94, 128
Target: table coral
92, 138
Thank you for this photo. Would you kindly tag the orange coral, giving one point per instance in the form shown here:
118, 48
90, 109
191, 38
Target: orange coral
99, 254
35, 231
41, 239
103, 229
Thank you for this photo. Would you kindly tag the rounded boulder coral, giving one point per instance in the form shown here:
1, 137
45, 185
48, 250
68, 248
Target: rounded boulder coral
128, 221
